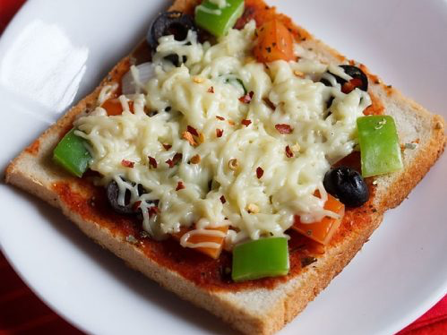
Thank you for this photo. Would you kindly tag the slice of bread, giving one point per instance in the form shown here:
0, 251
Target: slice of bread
251, 310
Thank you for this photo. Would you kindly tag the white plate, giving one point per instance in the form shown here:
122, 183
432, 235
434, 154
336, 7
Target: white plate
54, 52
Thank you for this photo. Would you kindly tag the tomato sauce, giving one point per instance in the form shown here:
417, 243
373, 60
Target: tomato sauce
33, 148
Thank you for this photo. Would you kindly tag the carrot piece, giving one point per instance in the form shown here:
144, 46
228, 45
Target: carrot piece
113, 107
275, 42
203, 238
323, 230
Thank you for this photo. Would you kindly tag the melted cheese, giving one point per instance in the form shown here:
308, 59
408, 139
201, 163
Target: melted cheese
261, 194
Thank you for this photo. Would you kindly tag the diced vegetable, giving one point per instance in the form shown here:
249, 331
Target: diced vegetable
267, 257
323, 230
275, 42
72, 154
218, 20
114, 107
379, 145
196, 238
145, 72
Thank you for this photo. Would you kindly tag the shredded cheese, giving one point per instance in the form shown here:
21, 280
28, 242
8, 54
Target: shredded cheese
235, 139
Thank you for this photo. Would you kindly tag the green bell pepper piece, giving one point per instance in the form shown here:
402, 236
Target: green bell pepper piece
267, 257
218, 20
379, 145
72, 154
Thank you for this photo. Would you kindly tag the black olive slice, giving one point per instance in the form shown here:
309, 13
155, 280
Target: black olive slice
175, 59
356, 73
361, 81
347, 185
112, 196
170, 23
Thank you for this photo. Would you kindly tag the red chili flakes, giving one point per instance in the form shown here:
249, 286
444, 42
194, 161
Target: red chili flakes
219, 132
223, 200
136, 205
167, 146
246, 122
259, 172
211, 89
154, 210
351, 85
269, 104
195, 159
152, 162
289, 152
284, 128
221, 118
174, 160
189, 137
127, 163
192, 130
247, 97
180, 186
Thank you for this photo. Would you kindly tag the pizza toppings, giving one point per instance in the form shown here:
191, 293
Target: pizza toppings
169, 23
189, 137
347, 185
152, 162
349, 77
284, 128
174, 160
322, 231
246, 122
225, 187
379, 145
289, 152
259, 172
128, 164
233, 164
266, 257
120, 198
180, 186
218, 19
72, 154
195, 159
247, 97
253, 156
208, 241
275, 42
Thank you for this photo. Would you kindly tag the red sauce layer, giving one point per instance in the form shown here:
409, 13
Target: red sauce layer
33, 148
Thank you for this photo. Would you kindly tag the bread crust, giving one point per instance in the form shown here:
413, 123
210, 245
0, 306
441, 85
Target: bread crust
260, 310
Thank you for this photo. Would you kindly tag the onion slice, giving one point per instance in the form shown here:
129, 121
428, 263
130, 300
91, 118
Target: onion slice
135, 80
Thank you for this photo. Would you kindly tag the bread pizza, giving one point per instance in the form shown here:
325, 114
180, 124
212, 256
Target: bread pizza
234, 159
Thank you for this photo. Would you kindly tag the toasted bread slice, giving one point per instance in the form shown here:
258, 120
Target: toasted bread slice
252, 310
